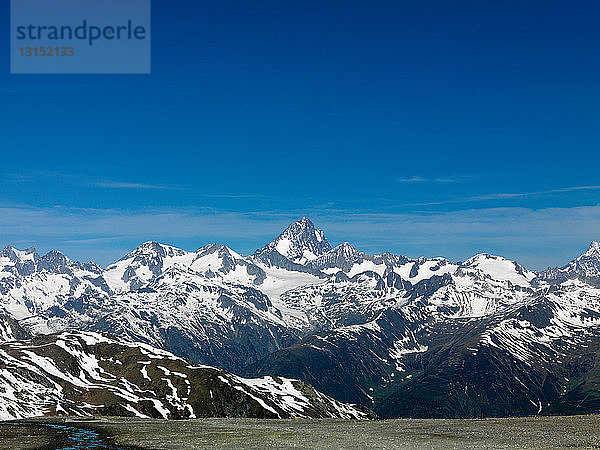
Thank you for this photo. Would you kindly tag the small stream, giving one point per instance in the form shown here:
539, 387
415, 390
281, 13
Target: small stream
77, 438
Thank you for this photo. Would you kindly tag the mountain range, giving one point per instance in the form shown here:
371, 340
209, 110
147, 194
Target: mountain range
405, 337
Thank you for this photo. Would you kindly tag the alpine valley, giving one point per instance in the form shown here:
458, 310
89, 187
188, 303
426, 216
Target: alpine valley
168, 333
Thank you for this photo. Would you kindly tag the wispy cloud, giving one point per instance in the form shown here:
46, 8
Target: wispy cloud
86, 181
418, 179
507, 195
128, 185
504, 195
94, 240
444, 179
234, 196
95, 182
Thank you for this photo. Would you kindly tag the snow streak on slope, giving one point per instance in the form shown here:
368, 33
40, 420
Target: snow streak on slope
88, 373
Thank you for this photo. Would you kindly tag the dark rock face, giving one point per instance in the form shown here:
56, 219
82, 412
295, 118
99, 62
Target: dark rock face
344, 256
10, 330
346, 363
275, 259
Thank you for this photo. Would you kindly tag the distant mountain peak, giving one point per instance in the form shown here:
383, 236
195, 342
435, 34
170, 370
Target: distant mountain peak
27, 262
480, 257
593, 250
346, 249
586, 265
300, 243
54, 259
343, 257
156, 249
16, 255
591, 256
220, 249
499, 268
305, 230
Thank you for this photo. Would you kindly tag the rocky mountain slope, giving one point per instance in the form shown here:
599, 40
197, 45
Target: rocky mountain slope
491, 339
422, 337
82, 373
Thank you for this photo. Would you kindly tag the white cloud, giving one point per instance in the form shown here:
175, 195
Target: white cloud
536, 238
418, 179
127, 185
80, 180
509, 195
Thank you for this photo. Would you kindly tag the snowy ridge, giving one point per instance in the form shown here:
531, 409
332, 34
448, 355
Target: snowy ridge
88, 373
499, 269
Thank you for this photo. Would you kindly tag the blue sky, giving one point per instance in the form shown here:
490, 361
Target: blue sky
423, 128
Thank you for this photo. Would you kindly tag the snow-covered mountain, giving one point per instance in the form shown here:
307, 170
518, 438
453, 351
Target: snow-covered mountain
586, 266
349, 260
300, 243
486, 338
363, 328
82, 373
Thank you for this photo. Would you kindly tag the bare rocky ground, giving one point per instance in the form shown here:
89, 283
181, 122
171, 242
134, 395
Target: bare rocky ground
528, 432
30, 437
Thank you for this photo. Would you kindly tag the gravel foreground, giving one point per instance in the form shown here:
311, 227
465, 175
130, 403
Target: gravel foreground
528, 432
